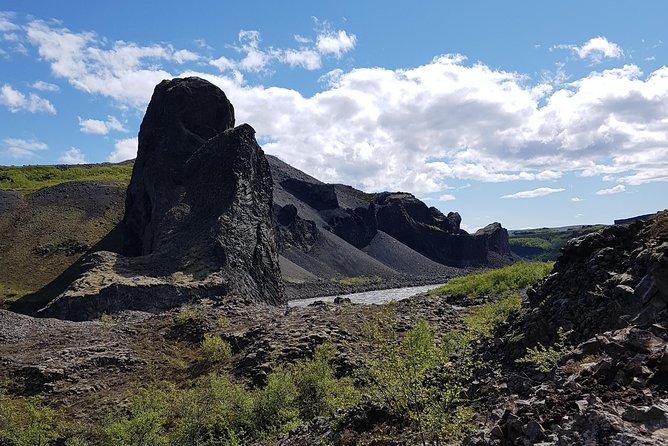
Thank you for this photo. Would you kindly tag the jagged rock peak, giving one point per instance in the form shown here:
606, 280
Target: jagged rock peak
181, 116
198, 214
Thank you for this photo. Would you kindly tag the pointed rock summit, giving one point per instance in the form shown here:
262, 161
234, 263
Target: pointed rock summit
197, 214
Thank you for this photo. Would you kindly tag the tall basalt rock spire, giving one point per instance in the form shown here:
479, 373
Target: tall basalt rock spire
198, 214
183, 115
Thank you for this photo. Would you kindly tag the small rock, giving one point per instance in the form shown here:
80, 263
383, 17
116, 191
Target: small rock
534, 431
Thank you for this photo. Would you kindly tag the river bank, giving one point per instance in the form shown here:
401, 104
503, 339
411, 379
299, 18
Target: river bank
332, 287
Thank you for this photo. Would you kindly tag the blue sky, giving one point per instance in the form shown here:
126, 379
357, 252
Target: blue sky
528, 113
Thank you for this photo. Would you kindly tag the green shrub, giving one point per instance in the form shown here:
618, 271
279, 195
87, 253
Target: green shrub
420, 379
544, 359
145, 424
215, 350
77, 440
107, 321
215, 411
275, 407
319, 392
26, 422
304, 390
484, 318
189, 313
510, 278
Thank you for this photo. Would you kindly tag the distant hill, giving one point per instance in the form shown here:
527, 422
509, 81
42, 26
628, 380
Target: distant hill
544, 244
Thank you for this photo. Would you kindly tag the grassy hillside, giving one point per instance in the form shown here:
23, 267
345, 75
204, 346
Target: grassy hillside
544, 244
31, 178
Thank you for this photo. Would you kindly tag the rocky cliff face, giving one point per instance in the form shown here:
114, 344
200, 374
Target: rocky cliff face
197, 218
424, 229
183, 114
608, 293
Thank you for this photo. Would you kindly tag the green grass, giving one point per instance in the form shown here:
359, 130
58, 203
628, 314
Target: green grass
31, 178
498, 281
8, 295
545, 244
483, 319
349, 281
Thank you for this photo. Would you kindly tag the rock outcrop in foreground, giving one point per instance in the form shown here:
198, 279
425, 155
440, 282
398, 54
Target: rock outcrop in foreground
609, 294
197, 217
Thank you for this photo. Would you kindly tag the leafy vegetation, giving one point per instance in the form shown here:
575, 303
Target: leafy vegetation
483, 319
26, 422
419, 378
349, 281
544, 359
545, 244
215, 350
189, 313
517, 276
31, 178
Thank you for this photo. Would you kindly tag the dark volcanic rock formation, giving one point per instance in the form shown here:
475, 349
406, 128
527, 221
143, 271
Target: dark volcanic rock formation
495, 237
608, 293
293, 231
428, 231
317, 195
183, 114
366, 229
198, 217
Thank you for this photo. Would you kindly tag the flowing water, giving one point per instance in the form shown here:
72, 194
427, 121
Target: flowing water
369, 297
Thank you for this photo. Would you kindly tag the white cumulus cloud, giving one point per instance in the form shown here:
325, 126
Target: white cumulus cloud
124, 149
414, 128
447, 197
72, 156
614, 190
16, 101
99, 127
540, 192
596, 49
23, 148
336, 43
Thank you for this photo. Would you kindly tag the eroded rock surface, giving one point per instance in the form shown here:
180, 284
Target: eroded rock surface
197, 218
608, 294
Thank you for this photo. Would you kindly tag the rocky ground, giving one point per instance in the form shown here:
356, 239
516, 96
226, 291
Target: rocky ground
609, 386
83, 367
609, 295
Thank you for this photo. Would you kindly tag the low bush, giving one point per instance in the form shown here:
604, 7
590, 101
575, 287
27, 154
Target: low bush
510, 278
27, 422
215, 350
189, 313
544, 359
217, 411
419, 378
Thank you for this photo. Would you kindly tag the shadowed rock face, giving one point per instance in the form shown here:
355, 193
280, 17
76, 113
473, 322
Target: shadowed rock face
495, 237
183, 114
197, 218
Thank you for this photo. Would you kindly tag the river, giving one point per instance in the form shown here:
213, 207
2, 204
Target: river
369, 297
